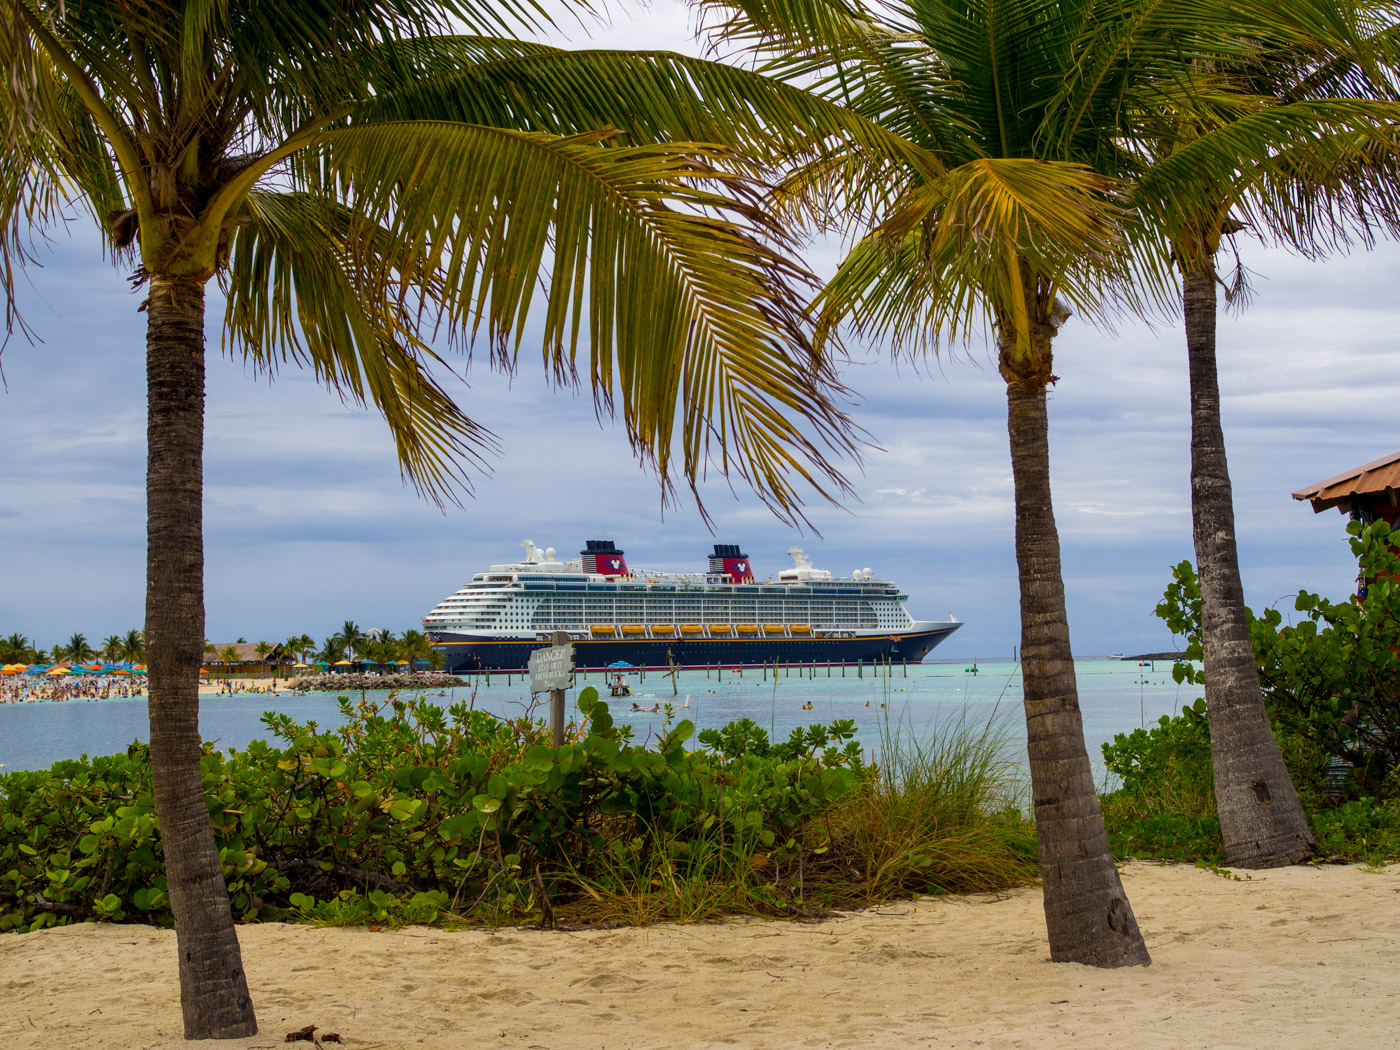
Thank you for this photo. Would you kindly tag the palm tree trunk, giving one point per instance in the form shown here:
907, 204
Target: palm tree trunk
213, 989
1261, 819
1087, 914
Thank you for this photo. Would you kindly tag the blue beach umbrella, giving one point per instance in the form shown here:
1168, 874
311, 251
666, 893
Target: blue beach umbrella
621, 663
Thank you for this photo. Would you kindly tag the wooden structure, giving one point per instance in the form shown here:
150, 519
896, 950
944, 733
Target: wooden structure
246, 659
1364, 493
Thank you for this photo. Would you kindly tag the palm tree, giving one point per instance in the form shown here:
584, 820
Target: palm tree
382, 646
987, 218
351, 639
78, 649
356, 180
300, 645
134, 646
1296, 142
16, 649
413, 646
262, 649
228, 656
112, 648
332, 650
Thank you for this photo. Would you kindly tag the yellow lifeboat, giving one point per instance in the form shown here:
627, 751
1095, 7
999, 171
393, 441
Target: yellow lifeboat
692, 628
746, 628
800, 628
602, 628
633, 628
663, 628
719, 628
774, 628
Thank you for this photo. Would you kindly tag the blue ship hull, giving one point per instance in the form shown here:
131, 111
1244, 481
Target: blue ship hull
465, 654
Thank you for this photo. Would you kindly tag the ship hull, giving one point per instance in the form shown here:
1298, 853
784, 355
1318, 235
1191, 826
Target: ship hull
466, 654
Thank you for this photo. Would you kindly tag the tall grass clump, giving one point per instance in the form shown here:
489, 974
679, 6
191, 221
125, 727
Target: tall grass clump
944, 812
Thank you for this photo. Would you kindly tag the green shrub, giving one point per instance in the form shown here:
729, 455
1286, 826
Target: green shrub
1332, 690
1164, 769
409, 813
1363, 829
1331, 682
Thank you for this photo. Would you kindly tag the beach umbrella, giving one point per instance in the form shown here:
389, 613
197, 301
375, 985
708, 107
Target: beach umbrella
621, 663
121, 670
342, 663
58, 671
300, 667
402, 663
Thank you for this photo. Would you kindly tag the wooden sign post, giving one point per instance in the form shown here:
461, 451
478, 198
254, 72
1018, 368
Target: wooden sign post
552, 670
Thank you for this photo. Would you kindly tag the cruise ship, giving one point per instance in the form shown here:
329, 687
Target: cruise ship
724, 616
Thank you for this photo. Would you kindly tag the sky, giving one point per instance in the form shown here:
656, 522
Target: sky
308, 522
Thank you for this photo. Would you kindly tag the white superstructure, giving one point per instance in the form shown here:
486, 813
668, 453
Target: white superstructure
540, 594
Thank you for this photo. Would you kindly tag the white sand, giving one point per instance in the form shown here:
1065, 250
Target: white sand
1303, 957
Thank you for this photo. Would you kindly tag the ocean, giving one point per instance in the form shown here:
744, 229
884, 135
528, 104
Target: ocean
1115, 696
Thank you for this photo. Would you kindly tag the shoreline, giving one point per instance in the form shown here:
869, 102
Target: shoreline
1295, 957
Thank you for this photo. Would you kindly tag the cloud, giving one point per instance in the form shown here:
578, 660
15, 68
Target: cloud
308, 521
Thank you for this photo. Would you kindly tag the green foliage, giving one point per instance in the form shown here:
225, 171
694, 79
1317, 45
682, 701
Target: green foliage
1332, 688
1164, 806
414, 813
1165, 768
1331, 682
1363, 829
946, 812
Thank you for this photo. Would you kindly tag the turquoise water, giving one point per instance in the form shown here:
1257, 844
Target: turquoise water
1115, 696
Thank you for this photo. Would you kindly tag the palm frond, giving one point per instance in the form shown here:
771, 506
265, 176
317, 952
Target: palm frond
648, 97
654, 258
1221, 165
955, 255
310, 283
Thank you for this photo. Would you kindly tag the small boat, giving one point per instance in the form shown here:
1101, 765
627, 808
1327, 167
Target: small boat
602, 628
663, 628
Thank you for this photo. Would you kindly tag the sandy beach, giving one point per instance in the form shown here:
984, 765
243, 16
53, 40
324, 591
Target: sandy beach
1302, 957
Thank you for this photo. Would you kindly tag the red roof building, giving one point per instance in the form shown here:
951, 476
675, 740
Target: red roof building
1367, 492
